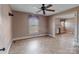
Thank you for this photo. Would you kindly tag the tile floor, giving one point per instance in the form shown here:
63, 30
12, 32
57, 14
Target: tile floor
62, 44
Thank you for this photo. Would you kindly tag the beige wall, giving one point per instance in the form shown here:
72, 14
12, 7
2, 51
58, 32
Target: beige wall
5, 28
20, 24
51, 26
70, 25
53, 20
78, 26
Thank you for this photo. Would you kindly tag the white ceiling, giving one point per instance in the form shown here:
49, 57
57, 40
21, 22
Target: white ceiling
33, 8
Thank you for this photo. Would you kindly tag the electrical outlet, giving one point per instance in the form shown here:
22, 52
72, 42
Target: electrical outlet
3, 49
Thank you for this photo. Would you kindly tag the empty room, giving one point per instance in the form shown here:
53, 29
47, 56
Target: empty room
39, 28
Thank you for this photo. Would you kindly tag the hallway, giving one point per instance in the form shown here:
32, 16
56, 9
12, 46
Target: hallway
62, 44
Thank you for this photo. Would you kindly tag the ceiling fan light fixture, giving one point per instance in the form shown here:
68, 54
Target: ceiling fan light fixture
45, 8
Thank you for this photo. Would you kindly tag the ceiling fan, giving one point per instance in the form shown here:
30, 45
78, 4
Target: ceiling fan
45, 8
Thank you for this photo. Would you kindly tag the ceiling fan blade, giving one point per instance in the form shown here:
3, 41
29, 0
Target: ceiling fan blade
38, 11
44, 12
49, 5
50, 10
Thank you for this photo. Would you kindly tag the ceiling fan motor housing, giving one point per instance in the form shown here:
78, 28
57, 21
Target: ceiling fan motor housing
43, 8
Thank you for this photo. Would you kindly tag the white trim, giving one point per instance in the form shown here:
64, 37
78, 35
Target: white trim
50, 35
9, 47
30, 36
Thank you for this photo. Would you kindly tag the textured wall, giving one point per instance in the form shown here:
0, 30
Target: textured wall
5, 27
21, 25
71, 24
53, 20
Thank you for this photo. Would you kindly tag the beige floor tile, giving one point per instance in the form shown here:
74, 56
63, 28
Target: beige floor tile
62, 44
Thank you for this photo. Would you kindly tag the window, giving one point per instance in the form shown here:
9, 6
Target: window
33, 25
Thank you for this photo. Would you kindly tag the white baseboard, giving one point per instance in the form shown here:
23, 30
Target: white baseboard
30, 36
7, 48
50, 35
